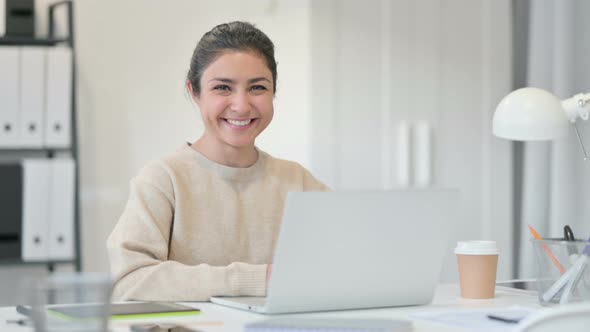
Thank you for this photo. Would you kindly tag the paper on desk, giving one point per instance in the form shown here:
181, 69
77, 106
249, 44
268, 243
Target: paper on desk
475, 320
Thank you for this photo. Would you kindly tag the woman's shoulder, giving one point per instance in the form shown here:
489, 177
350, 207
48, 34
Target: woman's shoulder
164, 170
288, 169
282, 165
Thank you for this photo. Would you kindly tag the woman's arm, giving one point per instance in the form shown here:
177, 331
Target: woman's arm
138, 250
310, 183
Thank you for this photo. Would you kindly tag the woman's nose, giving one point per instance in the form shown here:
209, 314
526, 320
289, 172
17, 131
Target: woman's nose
241, 102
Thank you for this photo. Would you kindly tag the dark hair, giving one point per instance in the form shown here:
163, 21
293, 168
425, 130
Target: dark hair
237, 36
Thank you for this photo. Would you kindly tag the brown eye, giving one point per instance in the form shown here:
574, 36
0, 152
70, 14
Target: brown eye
221, 87
258, 87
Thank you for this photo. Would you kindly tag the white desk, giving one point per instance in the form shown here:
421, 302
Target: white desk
218, 318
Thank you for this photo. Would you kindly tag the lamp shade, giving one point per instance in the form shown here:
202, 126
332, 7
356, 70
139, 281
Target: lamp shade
530, 114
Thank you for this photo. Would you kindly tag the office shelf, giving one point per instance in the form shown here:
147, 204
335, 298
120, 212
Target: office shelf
4, 150
27, 41
50, 264
45, 262
42, 152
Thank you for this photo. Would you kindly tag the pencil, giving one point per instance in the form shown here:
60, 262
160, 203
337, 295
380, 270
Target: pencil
547, 250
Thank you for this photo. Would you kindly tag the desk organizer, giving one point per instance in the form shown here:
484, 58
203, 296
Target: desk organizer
563, 271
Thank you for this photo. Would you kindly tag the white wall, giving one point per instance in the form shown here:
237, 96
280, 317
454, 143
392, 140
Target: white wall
444, 63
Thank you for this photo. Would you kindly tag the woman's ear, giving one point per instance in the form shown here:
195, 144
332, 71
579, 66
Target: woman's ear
194, 96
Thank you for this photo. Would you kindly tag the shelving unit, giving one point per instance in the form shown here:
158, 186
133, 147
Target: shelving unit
40, 152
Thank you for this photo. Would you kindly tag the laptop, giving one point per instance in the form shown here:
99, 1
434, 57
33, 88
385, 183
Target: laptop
356, 249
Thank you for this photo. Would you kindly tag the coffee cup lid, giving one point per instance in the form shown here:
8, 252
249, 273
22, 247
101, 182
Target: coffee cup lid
476, 248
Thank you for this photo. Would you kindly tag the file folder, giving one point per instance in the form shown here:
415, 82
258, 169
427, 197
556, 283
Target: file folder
10, 211
20, 18
59, 97
61, 209
35, 184
31, 97
2, 18
9, 78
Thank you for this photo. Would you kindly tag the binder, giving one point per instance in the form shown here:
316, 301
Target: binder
9, 78
20, 18
10, 210
2, 18
31, 97
35, 183
59, 97
61, 209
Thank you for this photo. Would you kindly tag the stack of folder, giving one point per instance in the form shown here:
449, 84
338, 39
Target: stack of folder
37, 209
35, 97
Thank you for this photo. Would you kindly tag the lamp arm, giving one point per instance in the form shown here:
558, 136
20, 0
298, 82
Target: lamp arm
577, 107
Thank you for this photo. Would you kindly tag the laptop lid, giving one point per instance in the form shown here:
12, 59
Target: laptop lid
360, 249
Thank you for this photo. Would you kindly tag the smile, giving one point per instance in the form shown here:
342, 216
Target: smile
240, 124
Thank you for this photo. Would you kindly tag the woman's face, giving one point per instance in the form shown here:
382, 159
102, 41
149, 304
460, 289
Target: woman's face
236, 99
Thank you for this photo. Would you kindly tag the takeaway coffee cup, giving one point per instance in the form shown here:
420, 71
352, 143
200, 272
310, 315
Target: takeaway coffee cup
478, 262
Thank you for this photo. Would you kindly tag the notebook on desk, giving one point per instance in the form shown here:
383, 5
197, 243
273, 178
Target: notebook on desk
127, 310
350, 250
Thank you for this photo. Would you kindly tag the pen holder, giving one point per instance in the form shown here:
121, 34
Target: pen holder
563, 271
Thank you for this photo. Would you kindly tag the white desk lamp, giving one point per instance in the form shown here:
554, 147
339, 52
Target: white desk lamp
532, 114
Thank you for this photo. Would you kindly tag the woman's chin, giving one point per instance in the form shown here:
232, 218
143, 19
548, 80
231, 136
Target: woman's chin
240, 144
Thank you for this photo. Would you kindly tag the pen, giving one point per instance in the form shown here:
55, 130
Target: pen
563, 280
547, 250
504, 319
23, 310
578, 266
18, 321
567, 279
568, 235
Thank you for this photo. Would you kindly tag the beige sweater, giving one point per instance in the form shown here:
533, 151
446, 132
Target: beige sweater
193, 229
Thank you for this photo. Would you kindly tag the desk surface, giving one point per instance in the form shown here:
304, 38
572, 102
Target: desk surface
219, 318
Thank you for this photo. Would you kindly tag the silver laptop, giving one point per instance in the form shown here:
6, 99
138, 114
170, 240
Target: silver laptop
357, 249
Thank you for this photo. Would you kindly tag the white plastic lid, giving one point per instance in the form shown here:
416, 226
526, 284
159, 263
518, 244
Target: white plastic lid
476, 248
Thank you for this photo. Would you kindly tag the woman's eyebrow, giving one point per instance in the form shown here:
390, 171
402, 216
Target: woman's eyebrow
258, 79
229, 80
224, 80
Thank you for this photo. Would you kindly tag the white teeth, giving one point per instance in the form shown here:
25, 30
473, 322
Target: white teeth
239, 123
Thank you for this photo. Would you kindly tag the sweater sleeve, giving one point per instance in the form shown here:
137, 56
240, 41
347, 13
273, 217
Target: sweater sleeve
138, 252
310, 183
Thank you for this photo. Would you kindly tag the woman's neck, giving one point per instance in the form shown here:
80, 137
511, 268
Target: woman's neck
225, 154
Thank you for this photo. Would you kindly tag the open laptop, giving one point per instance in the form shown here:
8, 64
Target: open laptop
357, 249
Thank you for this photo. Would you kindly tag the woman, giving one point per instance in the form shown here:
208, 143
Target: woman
203, 222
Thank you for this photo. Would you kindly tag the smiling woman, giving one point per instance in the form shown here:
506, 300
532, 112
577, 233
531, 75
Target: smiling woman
236, 104
203, 221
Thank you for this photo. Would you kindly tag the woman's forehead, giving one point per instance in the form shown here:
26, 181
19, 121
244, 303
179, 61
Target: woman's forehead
238, 65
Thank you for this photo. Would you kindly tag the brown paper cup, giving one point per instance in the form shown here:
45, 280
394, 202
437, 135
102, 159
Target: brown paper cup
477, 275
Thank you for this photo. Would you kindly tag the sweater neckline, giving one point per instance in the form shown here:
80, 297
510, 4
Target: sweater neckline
229, 173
